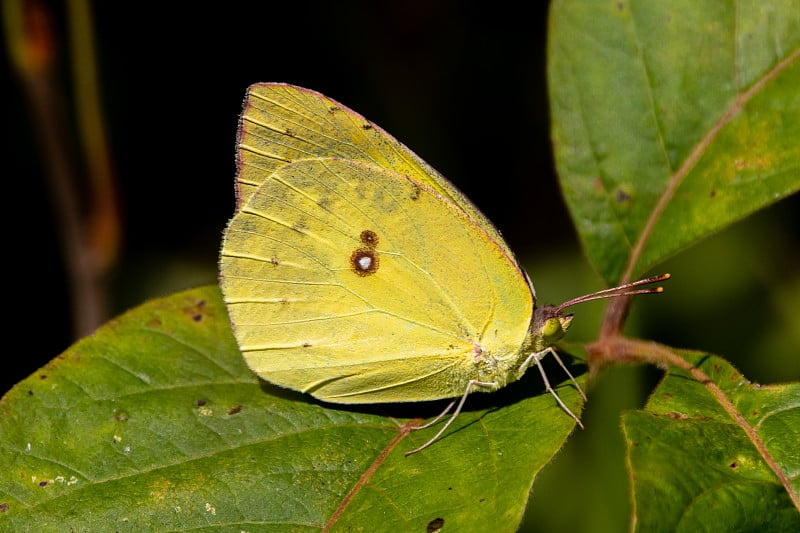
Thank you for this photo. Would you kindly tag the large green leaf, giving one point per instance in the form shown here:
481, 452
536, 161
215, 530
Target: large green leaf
693, 465
155, 423
671, 120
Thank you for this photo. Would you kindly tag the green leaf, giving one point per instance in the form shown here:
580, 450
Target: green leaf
671, 120
693, 465
155, 423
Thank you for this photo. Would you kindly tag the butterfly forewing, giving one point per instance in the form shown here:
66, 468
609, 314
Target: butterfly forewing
283, 123
358, 284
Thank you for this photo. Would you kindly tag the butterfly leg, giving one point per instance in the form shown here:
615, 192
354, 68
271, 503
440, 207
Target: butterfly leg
470, 384
536, 358
439, 417
567, 372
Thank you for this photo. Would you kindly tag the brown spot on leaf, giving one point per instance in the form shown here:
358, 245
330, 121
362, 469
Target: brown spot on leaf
734, 466
3, 507
235, 410
677, 416
366, 126
121, 417
622, 196
435, 525
306, 345
43, 483
196, 310
200, 403
42, 376
333, 109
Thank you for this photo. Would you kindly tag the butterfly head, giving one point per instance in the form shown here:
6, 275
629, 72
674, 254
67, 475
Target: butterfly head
550, 323
548, 326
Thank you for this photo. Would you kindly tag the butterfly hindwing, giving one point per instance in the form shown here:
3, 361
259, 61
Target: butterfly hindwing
358, 284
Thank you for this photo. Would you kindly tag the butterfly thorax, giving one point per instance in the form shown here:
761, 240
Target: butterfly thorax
488, 367
547, 327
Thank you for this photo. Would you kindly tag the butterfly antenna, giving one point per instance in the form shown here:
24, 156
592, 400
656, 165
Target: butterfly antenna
627, 289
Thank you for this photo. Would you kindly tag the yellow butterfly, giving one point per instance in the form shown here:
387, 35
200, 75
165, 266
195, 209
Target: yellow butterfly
355, 272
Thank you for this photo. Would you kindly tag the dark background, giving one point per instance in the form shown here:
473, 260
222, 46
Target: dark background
464, 86
448, 80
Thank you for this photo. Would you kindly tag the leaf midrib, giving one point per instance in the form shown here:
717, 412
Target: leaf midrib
694, 156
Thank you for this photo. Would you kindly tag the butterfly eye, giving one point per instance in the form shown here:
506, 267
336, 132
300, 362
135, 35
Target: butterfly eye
552, 330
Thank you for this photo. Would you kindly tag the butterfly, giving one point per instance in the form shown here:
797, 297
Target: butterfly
353, 271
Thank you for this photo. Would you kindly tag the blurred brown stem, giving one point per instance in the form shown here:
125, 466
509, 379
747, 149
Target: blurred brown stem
88, 228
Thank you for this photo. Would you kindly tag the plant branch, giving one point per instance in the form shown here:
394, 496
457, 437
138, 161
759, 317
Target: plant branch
89, 229
623, 350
